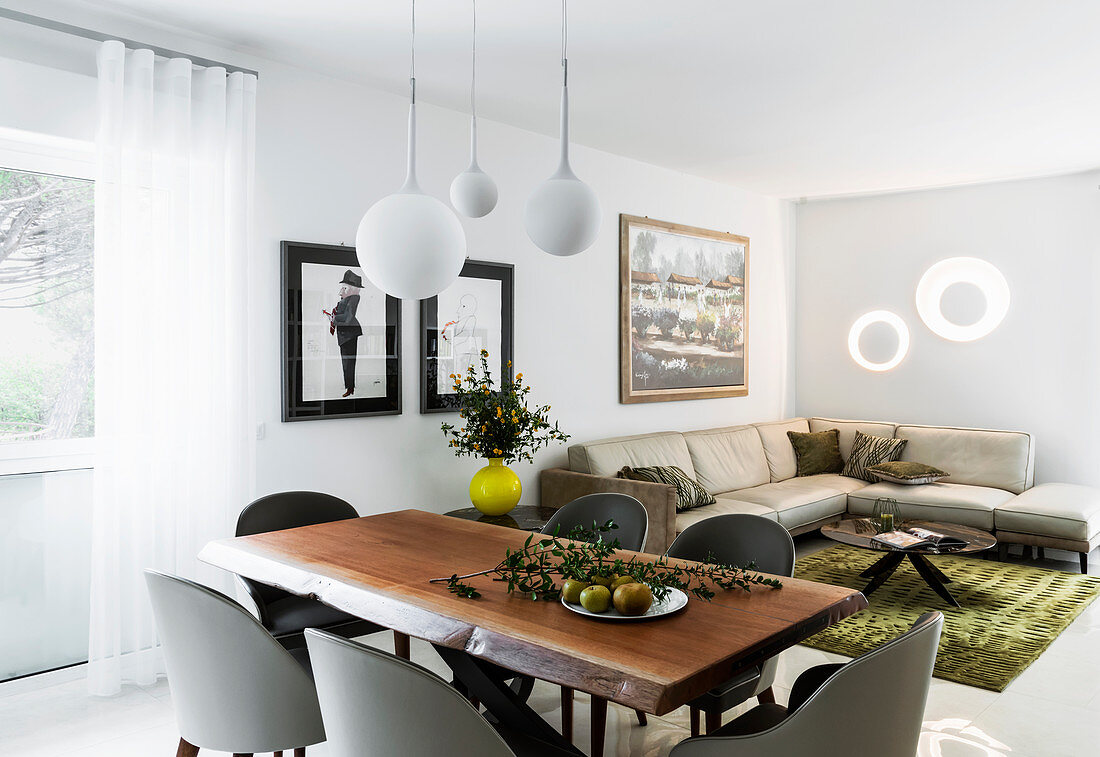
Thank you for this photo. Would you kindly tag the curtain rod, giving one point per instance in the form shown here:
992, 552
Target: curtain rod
79, 31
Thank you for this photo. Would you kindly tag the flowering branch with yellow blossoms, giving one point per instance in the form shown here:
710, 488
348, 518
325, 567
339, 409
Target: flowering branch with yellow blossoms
498, 421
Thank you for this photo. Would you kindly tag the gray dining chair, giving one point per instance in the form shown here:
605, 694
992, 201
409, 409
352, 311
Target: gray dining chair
633, 525
736, 539
375, 704
871, 705
286, 615
234, 687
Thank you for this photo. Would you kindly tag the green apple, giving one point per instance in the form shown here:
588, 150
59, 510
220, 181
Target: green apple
596, 598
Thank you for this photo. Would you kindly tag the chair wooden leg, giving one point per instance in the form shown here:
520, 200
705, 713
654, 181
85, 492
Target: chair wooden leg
242, 754
567, 713
642, 719
186, 750
277, 754
300, 752
401, 645
599, 724
694, 721
1084, 562
1042, 553
767, 696
714, 721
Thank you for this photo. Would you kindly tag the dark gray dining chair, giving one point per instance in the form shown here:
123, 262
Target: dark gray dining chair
375, 704
633, 525
736, 539
871, 705
287, 615
234, 687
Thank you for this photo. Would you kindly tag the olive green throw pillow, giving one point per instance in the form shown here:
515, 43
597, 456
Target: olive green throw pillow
817, 452
689, 492
870, 450
906, 473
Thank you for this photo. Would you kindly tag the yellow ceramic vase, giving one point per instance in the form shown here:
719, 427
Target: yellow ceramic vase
495, 489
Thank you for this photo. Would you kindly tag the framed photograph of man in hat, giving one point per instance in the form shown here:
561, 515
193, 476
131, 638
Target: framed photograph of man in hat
473, 314
341, 337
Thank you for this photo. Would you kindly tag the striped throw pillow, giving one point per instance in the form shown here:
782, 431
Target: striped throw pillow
871, 450
689, 492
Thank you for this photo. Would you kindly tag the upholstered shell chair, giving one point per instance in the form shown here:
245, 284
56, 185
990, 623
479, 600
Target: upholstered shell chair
286, 615
737, 539
375, 704
234, 687
871, 705
633, 525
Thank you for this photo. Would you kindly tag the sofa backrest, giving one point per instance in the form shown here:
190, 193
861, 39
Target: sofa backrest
1002, 459
728, 458
777, 446
848, 430
606, 457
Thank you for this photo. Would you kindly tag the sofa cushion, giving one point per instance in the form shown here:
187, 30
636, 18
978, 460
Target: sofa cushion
724, 505
777, 447
728, 458
816, 452
848, 430
689, 493
1066, 511
607, 457
799, 501
868, 451
906, 473
1001, 459
953, 503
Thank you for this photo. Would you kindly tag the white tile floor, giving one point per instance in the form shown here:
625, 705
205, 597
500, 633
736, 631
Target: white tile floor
1051, 710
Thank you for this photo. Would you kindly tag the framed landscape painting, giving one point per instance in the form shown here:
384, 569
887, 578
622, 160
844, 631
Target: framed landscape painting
684, 317
473, 314
341, 337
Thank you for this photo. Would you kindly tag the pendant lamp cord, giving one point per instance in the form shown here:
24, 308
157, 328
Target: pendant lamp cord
412, 57
564, 43
473, 65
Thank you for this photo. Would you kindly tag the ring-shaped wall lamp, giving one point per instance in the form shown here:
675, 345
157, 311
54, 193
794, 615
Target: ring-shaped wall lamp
879, 316
974, 271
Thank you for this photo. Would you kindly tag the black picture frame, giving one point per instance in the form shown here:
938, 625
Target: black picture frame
295, 408
430, 400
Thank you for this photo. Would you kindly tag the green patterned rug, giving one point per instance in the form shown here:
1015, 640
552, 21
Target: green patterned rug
1010, 613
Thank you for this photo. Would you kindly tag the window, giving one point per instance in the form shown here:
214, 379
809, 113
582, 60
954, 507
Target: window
47, 347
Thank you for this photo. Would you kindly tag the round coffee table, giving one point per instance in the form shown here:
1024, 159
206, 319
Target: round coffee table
857, 532
523, 517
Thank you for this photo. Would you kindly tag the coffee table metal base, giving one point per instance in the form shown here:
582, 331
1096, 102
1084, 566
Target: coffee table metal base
933, 576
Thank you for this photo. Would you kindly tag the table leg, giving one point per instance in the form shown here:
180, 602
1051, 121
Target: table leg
885, 568
889, 562
935, 571
929, 574
599, 725
486, 682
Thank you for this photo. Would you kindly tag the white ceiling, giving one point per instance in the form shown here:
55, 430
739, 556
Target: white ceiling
792, 98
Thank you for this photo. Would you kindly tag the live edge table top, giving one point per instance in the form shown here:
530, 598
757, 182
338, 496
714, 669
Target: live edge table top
378, 568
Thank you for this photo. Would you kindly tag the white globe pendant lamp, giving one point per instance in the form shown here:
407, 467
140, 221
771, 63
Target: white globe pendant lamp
562, 215
473, 192
409, 244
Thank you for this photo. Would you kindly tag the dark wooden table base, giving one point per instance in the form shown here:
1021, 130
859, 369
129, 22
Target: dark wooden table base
933, 576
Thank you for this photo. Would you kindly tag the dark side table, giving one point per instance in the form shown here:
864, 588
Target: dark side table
522, 517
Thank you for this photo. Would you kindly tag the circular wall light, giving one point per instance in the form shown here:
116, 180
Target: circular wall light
974, 271
879, 316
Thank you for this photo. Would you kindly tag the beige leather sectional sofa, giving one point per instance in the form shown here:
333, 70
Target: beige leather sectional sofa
751, 469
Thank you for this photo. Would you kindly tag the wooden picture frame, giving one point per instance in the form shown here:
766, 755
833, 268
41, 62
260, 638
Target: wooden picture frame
478, 281
316, 358
709, 298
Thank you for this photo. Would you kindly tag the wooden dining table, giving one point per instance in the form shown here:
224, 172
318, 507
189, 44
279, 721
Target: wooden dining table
380, 567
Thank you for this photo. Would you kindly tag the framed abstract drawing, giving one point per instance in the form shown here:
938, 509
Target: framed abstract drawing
473, 314
341, 337
683, 300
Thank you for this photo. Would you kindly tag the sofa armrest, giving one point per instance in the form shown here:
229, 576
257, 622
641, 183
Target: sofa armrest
559, 487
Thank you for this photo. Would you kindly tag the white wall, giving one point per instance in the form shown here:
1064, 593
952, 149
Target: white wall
328, 149
1037, 372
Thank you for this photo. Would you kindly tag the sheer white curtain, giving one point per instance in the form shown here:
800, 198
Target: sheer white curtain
174, 187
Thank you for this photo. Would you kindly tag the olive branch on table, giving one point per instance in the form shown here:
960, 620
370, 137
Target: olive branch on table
535, 568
